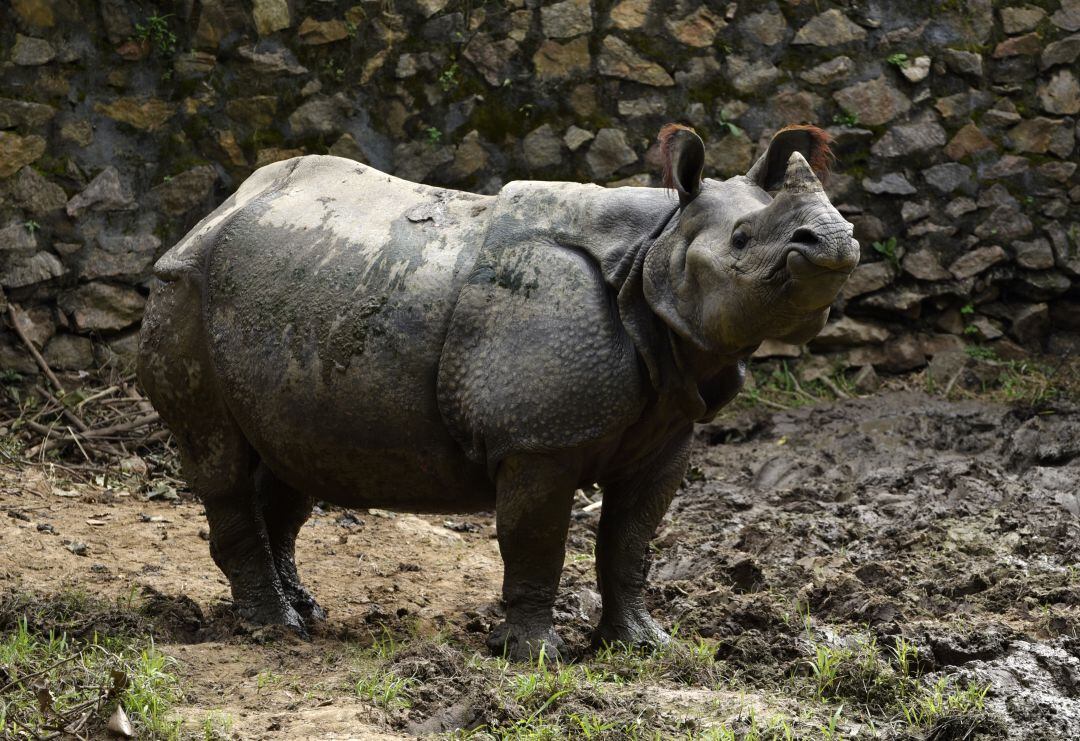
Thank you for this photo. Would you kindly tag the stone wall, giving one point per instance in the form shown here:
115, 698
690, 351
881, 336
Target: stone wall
122, 122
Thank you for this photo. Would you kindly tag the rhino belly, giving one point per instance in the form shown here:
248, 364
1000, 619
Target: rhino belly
327, 305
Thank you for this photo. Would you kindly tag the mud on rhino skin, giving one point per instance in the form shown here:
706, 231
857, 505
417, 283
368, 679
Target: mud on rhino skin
334, 332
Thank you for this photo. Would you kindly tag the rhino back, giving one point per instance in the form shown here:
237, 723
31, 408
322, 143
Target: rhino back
327, 300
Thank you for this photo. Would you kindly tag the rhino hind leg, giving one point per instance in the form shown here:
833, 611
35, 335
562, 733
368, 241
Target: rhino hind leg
218, 461
532, 516
285, 510
633, 508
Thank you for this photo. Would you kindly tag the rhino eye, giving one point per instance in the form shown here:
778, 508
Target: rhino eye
739, 239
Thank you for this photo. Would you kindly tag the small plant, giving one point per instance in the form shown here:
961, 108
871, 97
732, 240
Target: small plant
846, 119
216, 726
723, 123
385, 689
899, 59
155, 31
887, 249
448, 80
31, 226
433, 135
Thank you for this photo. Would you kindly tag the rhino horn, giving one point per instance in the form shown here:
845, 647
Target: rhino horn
800, 177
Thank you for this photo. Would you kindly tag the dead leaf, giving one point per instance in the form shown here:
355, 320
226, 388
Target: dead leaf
96, 523
119, 725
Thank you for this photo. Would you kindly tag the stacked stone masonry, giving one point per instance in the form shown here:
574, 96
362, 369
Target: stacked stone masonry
122, 122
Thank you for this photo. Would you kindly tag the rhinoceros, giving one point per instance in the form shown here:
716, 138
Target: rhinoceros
333, 333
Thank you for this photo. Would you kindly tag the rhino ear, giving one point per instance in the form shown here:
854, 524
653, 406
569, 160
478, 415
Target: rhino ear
683, 154
810, 141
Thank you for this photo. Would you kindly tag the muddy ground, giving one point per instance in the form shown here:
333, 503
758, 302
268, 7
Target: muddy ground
799, 534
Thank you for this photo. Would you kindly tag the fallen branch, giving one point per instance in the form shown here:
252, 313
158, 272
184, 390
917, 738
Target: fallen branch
14, 312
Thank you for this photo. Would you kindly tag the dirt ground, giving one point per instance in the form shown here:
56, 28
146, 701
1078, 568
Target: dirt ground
951, 524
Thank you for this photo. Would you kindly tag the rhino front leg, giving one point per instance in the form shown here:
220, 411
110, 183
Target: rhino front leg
532, 515
633, 508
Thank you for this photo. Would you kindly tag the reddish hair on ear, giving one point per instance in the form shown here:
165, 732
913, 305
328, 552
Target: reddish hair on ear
667, 133
821, 156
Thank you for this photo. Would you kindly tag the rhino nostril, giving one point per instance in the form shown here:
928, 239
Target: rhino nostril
805, 236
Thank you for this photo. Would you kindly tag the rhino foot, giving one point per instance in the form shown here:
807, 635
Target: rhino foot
524, 642
273, 613
634, 628
310, 610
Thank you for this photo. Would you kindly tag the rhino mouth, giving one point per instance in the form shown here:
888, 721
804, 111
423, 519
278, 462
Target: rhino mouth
814, 278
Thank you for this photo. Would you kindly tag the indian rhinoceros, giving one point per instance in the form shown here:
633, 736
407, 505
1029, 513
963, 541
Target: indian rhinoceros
333, 333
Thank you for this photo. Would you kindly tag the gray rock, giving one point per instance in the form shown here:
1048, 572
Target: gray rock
650, 105
320, 116
102, 307
730, 155
697, 29
848, 332
542, 148
1063, 51
36, 322
963, 62
566, 19
609, 153
17, 238
1060, 94
924, 265
826, 73
416, 160
1005, 223
1030, 323
1021, 19
575, 137
959, 106
945, 366
36, 194
901, 140
767, 27
190, 189
867, 278
119, 256
31, 52
866, 380
959, 206
917, 69
913, 211
270, 58
1041, 285
18, 151
829, 29
555, 61
618, 59
470, 157
1068, 16
892, 183
976, 261
874, 102
23, 269
1007, 166
104, 193
948, 176
1034, 134
750, 77
23, 113
69, 352
1034, 255
1003, 113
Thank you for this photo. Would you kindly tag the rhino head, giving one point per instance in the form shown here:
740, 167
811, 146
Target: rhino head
756, 256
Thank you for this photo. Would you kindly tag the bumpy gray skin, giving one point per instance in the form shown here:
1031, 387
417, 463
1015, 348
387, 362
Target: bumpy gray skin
334, 333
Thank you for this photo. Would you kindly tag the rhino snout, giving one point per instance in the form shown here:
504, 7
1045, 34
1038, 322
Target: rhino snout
832, 249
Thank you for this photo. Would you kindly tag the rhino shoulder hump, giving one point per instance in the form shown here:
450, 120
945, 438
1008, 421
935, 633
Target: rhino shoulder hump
535, 358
